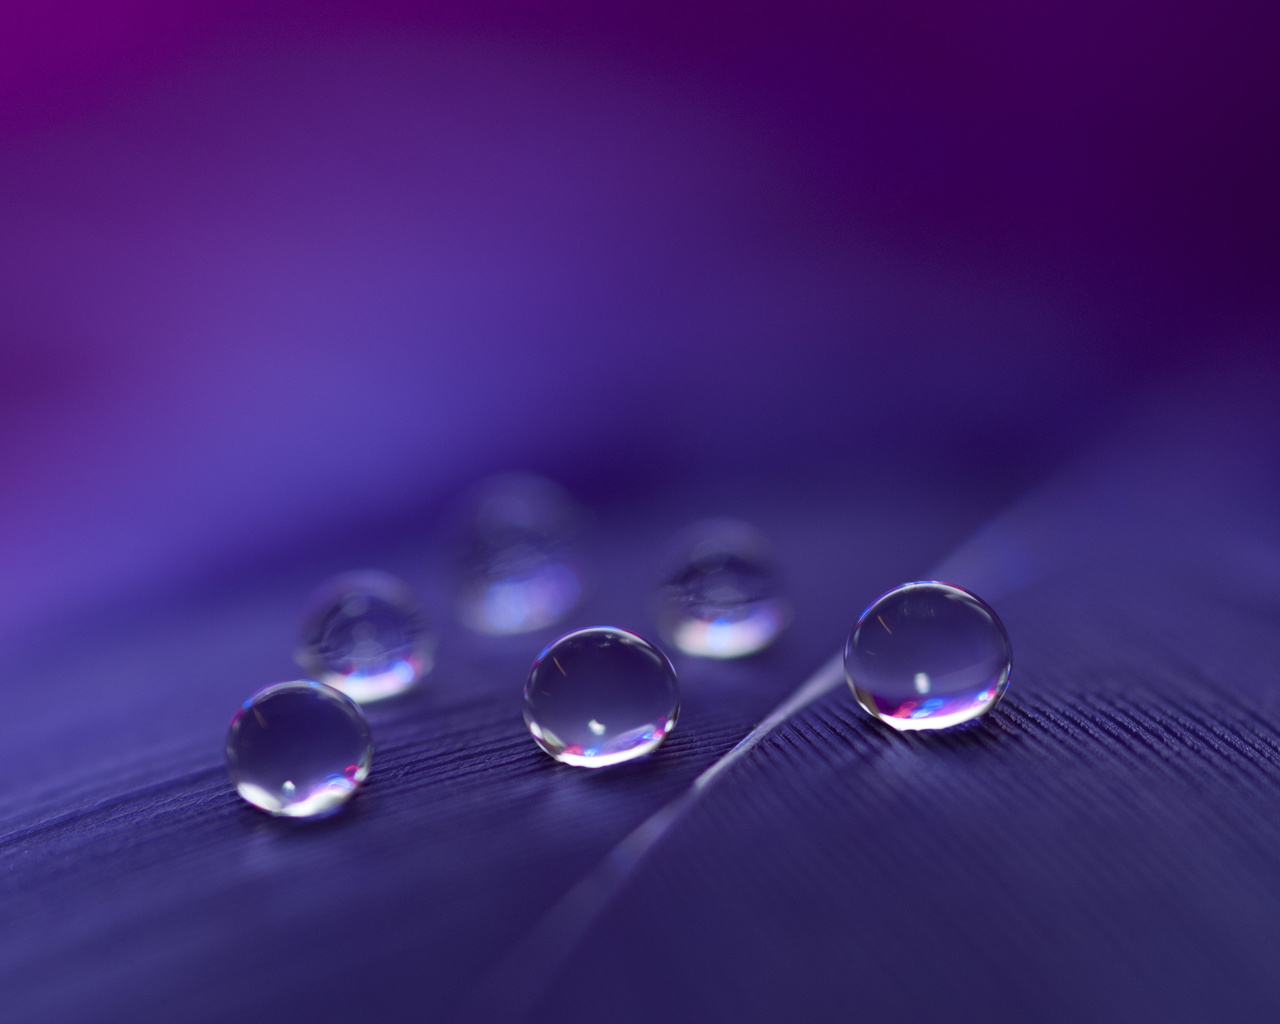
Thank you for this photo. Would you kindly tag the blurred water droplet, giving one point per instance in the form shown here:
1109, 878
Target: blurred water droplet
516, 564
721, 593
365, 635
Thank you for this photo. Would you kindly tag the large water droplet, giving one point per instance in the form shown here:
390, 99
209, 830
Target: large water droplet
601, 696
927, 656
298, 749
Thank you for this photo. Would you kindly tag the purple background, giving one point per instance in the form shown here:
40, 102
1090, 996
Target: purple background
983, 292
268, 272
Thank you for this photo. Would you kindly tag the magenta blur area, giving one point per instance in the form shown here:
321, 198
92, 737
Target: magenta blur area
918, 289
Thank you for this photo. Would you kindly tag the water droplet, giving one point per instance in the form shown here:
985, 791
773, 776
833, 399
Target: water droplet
927, 656
298, 749
364, 635
721, 595
600, 696
516, 568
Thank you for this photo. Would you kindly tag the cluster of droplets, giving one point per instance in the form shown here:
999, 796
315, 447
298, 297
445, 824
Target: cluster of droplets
925, 655
301, 749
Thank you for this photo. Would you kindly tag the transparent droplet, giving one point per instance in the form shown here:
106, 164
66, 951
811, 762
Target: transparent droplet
298, 750
600, 696
515, 563
364, 635
927, 656
721, 594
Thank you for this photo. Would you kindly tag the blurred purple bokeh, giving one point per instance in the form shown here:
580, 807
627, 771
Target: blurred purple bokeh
271, 272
